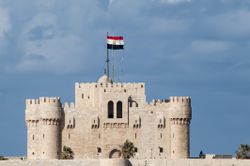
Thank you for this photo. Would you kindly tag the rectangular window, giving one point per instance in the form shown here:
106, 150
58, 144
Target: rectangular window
161, 149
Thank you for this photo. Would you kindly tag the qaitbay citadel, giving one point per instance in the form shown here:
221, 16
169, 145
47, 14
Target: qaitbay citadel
104, 115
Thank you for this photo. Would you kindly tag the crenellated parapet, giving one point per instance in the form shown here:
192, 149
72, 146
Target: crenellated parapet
86, 90
185, 100
43, 108
42, 100
113, 85
159, 102
69, 106
180, 107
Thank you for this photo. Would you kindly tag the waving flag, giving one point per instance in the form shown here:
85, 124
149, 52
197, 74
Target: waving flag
115, 42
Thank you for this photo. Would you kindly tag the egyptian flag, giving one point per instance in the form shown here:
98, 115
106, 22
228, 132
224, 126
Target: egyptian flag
115, 42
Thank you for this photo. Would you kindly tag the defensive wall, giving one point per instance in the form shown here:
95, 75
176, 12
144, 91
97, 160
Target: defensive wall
133, 162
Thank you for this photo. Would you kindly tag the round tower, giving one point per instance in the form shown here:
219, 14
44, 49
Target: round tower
180, 118
50, 133
32, 119
44, 136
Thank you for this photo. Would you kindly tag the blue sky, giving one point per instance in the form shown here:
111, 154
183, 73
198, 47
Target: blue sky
197, 48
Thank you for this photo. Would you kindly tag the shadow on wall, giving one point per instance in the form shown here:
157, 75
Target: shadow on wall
129, 163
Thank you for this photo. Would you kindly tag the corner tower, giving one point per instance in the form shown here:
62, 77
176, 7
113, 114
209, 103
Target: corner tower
180, 118
43, 119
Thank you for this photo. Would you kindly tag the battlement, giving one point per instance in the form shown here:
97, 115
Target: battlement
156, 102
68, 106
172, 100
43, 100
180, 100
43, 108
113, 85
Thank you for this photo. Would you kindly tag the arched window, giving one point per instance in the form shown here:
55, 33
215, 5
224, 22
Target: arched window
119, 109
110, 109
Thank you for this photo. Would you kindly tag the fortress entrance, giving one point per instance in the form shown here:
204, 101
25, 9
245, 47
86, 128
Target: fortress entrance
115, 153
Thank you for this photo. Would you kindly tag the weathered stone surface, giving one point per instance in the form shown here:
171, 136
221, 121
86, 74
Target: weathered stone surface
159, 130
133, 162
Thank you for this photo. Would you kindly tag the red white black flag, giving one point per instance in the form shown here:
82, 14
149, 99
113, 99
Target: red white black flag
115, 42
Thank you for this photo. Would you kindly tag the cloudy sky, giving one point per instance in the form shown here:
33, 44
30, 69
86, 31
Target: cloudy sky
197, 48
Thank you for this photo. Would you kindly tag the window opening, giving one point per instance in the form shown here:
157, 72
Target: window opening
161, 149
110, 109
119, 109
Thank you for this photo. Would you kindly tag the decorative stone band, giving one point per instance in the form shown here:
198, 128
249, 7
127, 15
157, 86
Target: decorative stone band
115, 125
33, 123
94, 126
180, 121
70, 126
136, 125
54, 122
161, 126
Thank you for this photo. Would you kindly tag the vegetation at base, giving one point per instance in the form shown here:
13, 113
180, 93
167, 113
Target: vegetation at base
3, 158
128, 149
243, 152
67, 153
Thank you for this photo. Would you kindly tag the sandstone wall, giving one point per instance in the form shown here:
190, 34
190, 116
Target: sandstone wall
134, 162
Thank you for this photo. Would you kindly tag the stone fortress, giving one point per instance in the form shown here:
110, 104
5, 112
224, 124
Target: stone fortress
103, 116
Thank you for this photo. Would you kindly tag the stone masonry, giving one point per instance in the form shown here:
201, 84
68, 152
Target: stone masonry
103, 116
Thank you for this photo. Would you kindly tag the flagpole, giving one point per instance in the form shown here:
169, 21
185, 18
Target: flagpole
113, 65
107, 58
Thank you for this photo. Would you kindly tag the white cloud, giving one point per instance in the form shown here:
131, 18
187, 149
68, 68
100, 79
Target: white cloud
40, 20
56, 36
209, 46
5, 25
163, 26
233, 23
45, 3
174, 1
59, 55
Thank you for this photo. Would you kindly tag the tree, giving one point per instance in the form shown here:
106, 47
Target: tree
3, 158
67, 153
243, 152
128, 149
